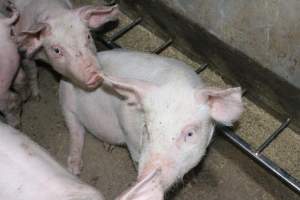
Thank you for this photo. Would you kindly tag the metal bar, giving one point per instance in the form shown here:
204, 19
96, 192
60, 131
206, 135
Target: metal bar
108, 44
162, 47
111, 3
244, 92
201, 68
261, 159
124, 30
270, 139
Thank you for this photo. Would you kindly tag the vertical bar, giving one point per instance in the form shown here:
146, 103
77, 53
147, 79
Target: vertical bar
162, 47
244, 92
268, 141
124, 30
201, 68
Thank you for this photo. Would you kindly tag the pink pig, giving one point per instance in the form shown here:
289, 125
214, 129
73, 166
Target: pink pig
51, 30
9, 65
157, 106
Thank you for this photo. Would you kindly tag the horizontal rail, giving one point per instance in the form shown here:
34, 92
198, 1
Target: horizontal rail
108, 44
261, 159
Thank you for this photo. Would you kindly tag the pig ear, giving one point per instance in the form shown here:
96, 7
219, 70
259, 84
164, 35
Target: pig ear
133, 90
31, 40
225, 106
146, 189
95, 17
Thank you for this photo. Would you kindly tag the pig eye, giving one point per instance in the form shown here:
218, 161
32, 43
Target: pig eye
188, 134
57, 51
89, 37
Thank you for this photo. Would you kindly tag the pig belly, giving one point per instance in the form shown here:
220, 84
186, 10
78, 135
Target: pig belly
96, 111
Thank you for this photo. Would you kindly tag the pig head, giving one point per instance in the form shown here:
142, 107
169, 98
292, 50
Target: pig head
63, 40
178, 123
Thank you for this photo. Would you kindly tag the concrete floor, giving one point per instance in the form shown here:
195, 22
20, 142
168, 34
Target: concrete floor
225, 173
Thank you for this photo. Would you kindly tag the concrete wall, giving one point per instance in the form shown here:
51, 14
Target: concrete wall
268, 31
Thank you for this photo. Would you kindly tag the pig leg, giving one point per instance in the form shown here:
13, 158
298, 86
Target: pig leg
10, 106
20, 85
77, 132
31, 71
108, 147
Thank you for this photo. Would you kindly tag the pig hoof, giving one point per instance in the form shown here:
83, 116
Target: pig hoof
108, 147
75, 166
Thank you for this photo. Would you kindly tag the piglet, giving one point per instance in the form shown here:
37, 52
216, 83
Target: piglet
58, 34
157, 106
9, 65
28, 172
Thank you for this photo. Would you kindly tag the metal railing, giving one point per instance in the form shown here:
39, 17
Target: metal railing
255, 154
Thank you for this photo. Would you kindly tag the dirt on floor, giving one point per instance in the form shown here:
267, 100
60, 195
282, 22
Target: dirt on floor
224, 174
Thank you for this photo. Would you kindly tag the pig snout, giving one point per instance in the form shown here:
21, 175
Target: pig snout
86, 74
93, 77
156, 161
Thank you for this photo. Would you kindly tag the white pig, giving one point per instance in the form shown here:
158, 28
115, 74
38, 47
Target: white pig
53, 31
28, 172
157, 106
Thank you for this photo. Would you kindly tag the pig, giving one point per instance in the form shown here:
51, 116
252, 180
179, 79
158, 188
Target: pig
28, 172
10, 103
155, 105
52, 31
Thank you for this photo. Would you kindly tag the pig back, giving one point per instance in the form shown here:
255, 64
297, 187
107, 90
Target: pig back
148, 67
21, 4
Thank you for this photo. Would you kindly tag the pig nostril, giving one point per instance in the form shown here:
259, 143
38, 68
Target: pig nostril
79, 54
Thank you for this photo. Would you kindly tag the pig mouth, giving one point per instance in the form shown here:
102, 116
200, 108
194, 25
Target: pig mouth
94, 81
168, 172
94, 77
